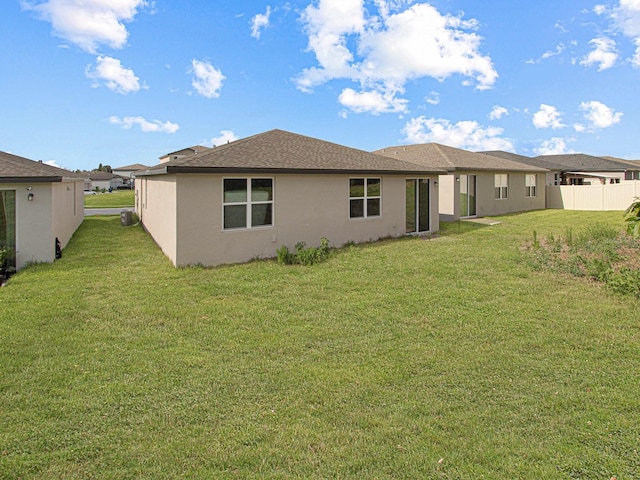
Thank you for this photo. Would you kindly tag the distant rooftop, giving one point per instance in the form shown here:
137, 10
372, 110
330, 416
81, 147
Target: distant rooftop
434, 155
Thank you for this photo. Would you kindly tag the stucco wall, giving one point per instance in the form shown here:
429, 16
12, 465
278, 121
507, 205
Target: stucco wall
517, 201
156, 207
486, 203
306, 208
67, 210
55, 211
449, 201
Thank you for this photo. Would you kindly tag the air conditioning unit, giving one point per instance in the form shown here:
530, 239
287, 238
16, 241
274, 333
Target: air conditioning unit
126, 218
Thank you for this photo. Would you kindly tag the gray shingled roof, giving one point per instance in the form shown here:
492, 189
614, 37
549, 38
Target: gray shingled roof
633, 163
536, 162
434, 155
277, 151
187, 151
134, 168
98, 175
16, 169
587, 163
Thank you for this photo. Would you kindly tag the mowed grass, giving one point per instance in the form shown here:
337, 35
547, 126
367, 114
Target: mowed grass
411, 358
115, 199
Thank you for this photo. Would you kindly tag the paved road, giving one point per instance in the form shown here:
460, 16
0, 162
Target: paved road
105, 211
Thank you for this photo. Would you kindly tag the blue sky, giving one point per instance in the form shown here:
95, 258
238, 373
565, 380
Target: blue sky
125, 81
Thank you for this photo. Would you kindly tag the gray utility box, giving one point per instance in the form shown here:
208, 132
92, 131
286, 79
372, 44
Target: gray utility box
126, 218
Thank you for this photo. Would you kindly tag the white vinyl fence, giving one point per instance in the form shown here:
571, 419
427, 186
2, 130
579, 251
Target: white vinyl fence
617, 196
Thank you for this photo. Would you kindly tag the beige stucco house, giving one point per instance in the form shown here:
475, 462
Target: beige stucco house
105, 180
39, 204
476, 185
245, 199
578, 168
129, 171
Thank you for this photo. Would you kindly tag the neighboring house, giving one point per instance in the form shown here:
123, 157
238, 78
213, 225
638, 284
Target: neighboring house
634, 171
185, 152
245, 199
581, 169
476, 185
128, 172
554, 171
105, 180
39, 204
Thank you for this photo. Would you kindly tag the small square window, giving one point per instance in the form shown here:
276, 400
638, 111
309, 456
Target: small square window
365, 197
247, 203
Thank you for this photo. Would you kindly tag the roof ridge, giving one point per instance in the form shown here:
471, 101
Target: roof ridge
438, 148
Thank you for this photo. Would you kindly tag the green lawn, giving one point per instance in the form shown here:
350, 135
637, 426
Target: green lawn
412, 358
115, 199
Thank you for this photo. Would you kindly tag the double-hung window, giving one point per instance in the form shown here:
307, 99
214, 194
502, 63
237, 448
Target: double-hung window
501, 186
247, 202
364, 197
530, 185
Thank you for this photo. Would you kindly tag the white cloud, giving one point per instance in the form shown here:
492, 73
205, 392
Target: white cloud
626, 17
145, 125
208, 80
578, 127
466, 134
375, 101
498, 112
599, 9
547, 117
226, 136
433, 98
552, 53
260, 22
604, 55
114, 76
88, 23
382, 52
52, 163
599, 115
555, 146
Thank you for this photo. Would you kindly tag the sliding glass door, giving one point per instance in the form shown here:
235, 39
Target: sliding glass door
417, 205
467, 196
8, 222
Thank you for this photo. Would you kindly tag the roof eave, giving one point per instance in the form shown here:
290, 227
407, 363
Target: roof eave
30, 179
314, 171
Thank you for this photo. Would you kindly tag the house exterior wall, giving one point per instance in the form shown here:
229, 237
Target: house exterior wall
306, 208
550, 178
486, 203
159, 193
616, 196
516, 201
68, 210
449, 202
106, 184
56, 211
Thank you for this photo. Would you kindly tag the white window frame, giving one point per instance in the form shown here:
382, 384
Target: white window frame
249, 203
501, 184
366, 197
530, 184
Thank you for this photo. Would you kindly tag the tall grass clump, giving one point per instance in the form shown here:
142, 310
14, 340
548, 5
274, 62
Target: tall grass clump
303, 255
601, 253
